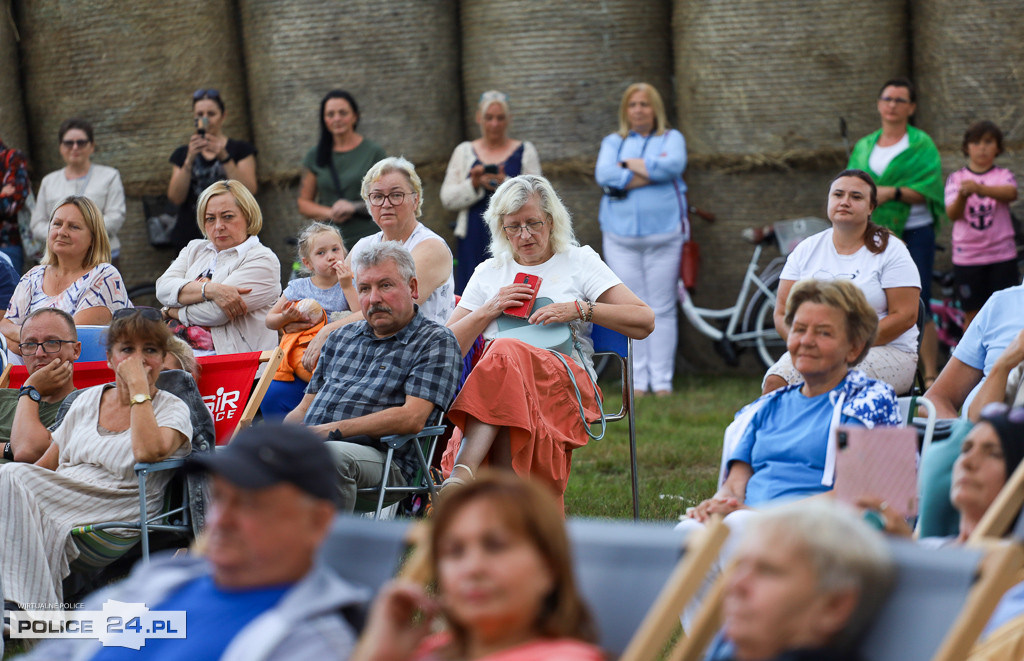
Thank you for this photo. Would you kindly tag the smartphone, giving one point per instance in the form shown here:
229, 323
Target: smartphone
490, 169
202, 123
523, 311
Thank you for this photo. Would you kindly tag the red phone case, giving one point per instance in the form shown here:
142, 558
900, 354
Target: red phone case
523, 311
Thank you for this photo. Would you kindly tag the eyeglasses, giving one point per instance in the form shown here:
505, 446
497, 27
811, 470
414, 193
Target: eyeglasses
150, 314
49, 346
81, 144
893, 99
205, 94
512, 231
396, 198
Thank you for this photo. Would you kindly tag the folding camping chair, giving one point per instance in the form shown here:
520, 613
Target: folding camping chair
226, 382
86, 375
424, 443
910, 407
620, 348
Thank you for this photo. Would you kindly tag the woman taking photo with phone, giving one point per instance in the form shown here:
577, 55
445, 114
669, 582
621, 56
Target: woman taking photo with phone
332, 172
643, 222
80, 176
209, 157
475, 169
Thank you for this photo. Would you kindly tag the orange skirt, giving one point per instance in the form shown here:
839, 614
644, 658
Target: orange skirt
528, 390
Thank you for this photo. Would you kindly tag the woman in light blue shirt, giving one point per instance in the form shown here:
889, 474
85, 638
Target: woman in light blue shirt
643, 218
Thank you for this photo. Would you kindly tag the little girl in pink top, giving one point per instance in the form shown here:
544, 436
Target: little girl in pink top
978, 201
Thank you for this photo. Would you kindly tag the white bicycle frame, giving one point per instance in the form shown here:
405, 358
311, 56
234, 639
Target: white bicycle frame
699, 316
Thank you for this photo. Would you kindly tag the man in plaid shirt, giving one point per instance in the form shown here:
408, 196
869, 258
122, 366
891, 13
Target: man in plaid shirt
383, 375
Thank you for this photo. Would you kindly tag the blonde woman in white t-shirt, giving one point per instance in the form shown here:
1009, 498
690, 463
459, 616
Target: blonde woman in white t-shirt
877, 262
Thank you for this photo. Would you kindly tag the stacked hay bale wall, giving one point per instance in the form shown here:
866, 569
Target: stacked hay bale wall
12, 112
760, 90
130, 69
564, 68
399, 61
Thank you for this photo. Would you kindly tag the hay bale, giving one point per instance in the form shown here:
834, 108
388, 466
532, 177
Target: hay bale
399, 60
130, 69
757, 77
12, 112
967, 56
564, 67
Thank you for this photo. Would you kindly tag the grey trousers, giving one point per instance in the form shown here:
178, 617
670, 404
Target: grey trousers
359, 467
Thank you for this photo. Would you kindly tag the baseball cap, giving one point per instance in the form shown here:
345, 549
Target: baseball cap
269, 454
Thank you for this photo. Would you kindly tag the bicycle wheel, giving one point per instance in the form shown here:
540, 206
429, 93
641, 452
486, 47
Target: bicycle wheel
144, 295
770, 345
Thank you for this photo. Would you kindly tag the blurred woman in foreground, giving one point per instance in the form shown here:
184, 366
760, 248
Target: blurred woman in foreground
505, 584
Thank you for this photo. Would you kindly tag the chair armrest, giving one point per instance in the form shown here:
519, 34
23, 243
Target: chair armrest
396, 441
166, 464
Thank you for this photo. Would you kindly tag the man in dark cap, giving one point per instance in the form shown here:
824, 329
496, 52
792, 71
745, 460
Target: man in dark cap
257, 592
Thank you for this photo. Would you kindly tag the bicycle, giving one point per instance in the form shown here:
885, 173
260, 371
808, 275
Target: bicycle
750, 322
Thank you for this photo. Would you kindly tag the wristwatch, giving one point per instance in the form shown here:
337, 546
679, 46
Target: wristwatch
32, 393
140, 398
897, 194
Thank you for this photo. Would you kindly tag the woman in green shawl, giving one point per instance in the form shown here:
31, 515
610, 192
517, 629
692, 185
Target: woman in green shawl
905, 164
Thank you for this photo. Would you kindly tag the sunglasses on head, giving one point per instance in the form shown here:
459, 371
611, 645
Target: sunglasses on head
150, 314
210, 93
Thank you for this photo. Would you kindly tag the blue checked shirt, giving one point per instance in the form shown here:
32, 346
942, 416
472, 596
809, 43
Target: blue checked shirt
359, 373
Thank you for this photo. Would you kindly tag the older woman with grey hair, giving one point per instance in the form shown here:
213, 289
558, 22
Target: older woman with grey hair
518, 408
807, 581
393, 193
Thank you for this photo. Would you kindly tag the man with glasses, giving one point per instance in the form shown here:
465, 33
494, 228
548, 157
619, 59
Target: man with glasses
50, 346
383, 375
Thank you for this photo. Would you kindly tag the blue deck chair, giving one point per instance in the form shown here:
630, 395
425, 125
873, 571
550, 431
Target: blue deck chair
93, 339
620, 348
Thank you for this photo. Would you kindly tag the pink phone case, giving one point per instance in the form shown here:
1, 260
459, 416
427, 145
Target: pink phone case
879, 462
523, 311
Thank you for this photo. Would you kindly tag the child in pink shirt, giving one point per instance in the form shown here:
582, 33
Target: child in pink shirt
978, 201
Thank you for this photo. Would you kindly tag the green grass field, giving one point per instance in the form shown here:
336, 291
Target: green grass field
679, 447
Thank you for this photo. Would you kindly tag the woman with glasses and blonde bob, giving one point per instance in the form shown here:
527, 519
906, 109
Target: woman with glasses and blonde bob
505, 585
394, 194
221, 287
209, 157
644, 222
475, 170
75, 276
518, 407
87, 473
80, 176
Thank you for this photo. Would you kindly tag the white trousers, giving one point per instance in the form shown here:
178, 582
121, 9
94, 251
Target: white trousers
649, 266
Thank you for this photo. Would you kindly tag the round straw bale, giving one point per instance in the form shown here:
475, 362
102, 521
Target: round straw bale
398, 59
565, 67
129, 68
758, 77
12, 112
967, 56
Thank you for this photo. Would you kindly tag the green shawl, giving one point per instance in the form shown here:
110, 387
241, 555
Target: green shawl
918, 167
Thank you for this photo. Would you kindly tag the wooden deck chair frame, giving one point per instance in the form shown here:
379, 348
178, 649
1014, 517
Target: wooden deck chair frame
620, 348
425, 444
993, 571
271, 359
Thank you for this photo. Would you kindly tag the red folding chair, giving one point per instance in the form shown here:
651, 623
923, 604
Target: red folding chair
87, 374
226, 383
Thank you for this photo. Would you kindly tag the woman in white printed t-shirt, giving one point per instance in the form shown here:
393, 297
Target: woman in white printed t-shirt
877, 262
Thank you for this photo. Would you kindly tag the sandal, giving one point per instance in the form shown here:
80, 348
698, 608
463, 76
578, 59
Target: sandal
455, 482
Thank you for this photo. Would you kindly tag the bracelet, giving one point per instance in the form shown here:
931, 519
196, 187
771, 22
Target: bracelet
579, 310
202, 292
590, 311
